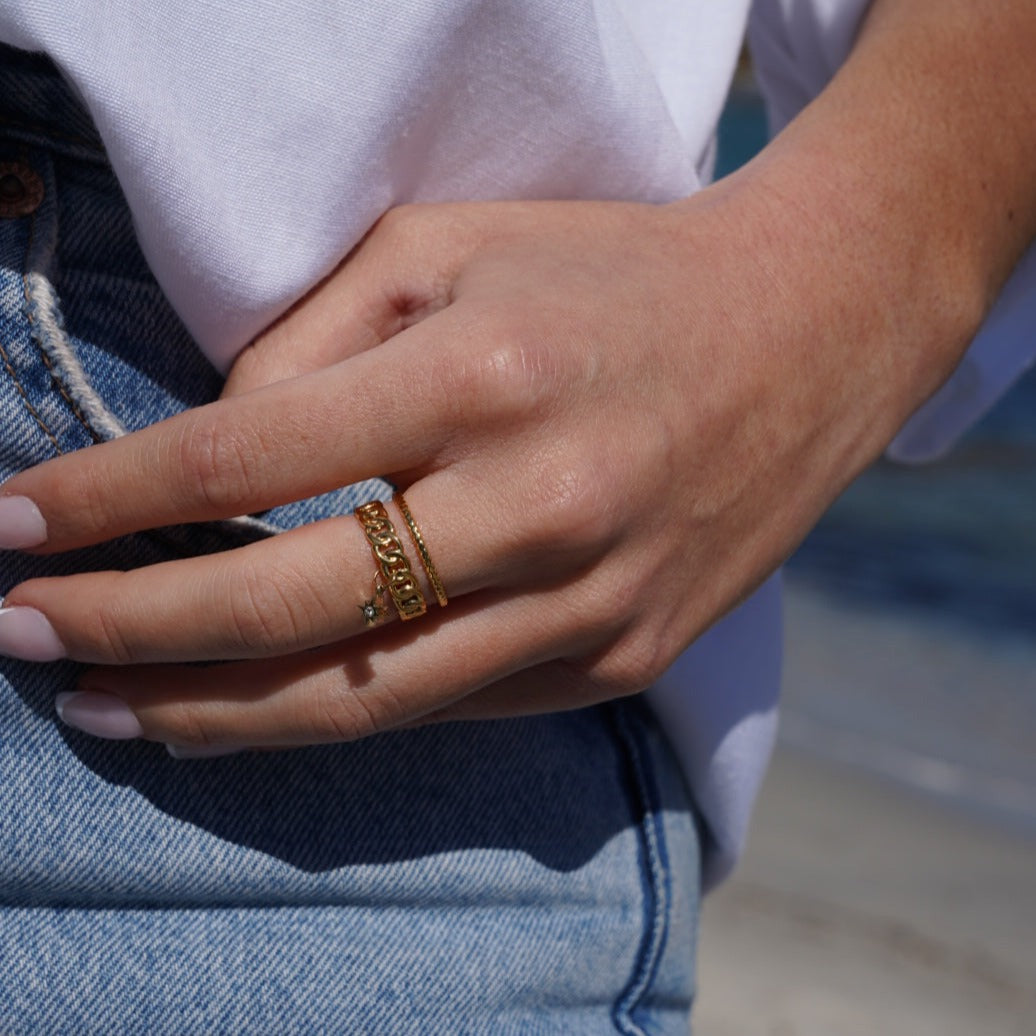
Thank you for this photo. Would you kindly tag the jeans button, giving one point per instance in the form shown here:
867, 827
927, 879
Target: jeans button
21, 190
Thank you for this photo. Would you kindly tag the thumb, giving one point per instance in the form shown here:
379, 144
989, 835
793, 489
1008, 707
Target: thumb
332, 323
400, 273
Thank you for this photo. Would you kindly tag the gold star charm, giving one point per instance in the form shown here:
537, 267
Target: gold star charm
371, 612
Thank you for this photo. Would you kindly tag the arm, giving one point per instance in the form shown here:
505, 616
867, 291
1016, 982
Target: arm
939, 98
618, 418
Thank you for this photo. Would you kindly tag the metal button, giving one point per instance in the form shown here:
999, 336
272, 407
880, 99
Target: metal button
21, 190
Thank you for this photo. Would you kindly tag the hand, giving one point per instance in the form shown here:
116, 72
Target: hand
612, 420
586, 423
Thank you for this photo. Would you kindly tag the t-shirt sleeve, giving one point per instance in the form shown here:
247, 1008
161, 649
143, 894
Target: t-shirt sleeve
797, 46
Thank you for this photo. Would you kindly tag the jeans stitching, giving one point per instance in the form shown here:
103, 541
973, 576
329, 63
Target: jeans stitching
652, 838
31, 306
25, 399
37, 317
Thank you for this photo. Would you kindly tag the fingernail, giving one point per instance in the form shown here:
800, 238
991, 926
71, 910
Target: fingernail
21, 524
97, 713
201, 751
27, 634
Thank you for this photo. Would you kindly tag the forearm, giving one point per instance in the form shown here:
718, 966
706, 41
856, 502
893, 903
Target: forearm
952, 87
897, 203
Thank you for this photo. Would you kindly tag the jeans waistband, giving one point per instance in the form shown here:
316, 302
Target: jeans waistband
36, 103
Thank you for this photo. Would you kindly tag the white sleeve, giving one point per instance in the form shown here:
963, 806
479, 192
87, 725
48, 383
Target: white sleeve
797, 46
718, 706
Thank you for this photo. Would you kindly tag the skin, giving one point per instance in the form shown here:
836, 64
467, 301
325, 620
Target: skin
614, 420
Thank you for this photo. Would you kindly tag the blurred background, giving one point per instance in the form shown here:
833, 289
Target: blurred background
890, 881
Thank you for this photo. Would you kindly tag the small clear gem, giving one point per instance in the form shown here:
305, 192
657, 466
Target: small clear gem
371, 612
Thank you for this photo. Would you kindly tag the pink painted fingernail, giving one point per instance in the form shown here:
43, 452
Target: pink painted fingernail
27, 634
97, 713
201, 751
21, 524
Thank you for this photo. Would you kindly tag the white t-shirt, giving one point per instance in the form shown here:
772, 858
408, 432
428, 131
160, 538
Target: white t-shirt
258, 140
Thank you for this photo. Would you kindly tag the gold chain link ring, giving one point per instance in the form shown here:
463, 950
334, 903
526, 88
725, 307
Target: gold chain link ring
397, 576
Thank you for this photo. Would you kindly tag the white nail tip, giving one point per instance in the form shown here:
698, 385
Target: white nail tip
21, 523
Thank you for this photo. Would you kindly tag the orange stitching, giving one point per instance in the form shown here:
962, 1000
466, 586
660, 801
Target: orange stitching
25, 399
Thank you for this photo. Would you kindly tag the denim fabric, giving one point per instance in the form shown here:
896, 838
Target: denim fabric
533, 876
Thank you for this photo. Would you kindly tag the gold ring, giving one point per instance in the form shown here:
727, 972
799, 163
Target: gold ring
397, 577
422, 551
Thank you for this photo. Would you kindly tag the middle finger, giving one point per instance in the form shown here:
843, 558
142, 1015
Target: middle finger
301, 589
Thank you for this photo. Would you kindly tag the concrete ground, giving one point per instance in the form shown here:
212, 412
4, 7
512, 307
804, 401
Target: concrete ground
862, 909
890, 881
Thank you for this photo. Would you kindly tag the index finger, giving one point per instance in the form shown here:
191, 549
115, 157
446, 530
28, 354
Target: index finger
369, 415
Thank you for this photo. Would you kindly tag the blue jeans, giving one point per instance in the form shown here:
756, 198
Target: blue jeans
536, 875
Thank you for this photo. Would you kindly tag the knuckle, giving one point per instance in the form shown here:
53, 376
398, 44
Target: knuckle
216, 462
397, 234
269, 612
395, 222
634, 664
183, 723
249, 361
111, 638
625, 673
508, 371
91, 501
420, 226
348, 715
104, 632
570, 506
585, 688
94, 628
262, 361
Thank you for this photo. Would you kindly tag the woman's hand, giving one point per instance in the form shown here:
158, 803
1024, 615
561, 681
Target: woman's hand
598, 432
611, 420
